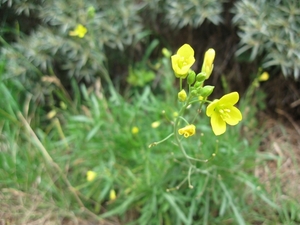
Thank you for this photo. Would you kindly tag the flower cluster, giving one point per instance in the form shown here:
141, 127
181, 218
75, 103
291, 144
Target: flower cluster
187, 131
221, 111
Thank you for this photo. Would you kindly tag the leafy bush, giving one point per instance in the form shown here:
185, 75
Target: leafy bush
270, 29
179, 14
51, 49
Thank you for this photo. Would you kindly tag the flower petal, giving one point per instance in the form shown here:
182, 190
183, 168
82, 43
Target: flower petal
211, 107
186, 51
234, 116
230, 99
218, 124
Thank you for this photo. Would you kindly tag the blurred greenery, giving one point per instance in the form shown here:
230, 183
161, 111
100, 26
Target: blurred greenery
270, 29
62, 114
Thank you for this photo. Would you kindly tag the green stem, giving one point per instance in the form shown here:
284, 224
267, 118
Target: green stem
180, 84
178, 142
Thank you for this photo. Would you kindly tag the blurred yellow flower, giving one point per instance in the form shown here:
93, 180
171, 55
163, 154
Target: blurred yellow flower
208, 65
187, 131
134, 130
51, 114
112, 195
223, 111
264, 76
79, 31
90, 175
182, 95
175, 114
155, 124
183, 60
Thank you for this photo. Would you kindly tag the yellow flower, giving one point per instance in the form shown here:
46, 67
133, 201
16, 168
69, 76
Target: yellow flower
90, 175
183, 60
182, 95
155, 124
79, 31
264, 76
134, 130
208, 65
223, 111
187, 131
112, 195
51, 114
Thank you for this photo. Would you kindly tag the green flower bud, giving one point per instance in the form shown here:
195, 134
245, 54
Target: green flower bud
91, 12
206, 91
194, 92
201, 77
166, 53
198, 85
191, 77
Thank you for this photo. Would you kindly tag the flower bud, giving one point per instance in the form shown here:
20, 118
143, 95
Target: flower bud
201, 77
208, 65
206, 91
166, 53
264, 76
191, 77
182, 95
91, 12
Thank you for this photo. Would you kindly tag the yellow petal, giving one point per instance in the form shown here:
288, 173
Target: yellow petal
186, 51
211, 107
218, 124
229, 99
234, 116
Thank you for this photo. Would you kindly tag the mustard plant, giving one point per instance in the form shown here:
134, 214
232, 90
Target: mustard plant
221, 111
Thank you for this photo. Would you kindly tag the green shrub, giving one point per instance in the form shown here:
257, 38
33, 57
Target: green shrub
270, 29
179, 14
50, 48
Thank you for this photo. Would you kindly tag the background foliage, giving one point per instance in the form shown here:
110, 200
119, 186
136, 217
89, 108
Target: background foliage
68, 105
270, 29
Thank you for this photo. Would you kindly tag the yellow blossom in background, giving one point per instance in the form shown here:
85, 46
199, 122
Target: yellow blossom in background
79, 31
187, 131
51, 114
183, 60
264, 76
155, 124
208, 65
134, 130
223, 111
90, 175
112, 195
182, 95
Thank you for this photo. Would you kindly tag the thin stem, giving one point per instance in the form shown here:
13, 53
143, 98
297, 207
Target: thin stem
158, 142
180, 84
178, 142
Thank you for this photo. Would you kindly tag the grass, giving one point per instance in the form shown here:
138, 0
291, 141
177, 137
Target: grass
44, 160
